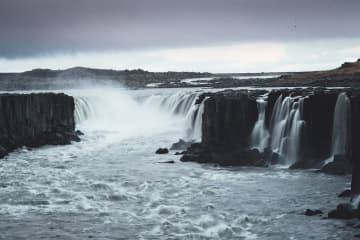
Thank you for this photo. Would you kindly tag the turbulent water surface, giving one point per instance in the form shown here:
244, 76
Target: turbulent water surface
112, 186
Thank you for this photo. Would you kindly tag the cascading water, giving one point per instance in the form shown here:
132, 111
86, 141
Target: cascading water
194, 121
182, 104
179, 103
260, 134
341, 127
286, 128
129, 114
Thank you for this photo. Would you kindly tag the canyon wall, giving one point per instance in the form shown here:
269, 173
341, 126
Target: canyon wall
301, 128
34, 120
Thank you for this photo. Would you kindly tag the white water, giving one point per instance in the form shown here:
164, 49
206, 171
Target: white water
341, 126
110, 185
126, 114
194, 120
286, 128
260, 134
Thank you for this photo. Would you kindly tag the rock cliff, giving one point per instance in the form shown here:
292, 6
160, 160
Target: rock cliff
36, 119
299, 125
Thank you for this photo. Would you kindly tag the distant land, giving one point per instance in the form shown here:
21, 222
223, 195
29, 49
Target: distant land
347, 75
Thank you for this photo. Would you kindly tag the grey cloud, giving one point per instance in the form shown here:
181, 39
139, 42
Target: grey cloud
33, 27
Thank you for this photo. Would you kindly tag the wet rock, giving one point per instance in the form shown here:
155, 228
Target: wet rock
171, 162
180, 153
318, 111
79, 133
271, 157
343, 211
228, 120
196, 153
310, 212
355, 139
34, 120
3, 152
355, 182
162, 151
346, 193
181, 145
339, 166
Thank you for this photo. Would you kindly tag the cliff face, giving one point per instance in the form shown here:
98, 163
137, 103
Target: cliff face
355, 140
35, 119
304, 118
228, 121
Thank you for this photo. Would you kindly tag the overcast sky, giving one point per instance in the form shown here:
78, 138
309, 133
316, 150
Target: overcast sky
161, 35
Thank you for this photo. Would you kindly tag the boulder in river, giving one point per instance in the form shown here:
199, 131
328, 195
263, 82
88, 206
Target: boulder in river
181, 145
310, 212
162, 151
339, 166
344, 211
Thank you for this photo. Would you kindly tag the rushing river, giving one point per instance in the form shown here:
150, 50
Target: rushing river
112, 186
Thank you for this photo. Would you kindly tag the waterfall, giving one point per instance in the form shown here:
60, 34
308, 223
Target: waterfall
179, 103
286, 128
341, 126
194, 121
260, 135
132, 112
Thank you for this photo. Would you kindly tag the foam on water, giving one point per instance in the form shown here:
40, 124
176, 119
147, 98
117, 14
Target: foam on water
109, 189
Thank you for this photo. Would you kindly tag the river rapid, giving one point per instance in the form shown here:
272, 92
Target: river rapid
111, 185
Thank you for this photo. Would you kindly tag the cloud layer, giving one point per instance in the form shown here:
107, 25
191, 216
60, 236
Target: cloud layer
40, 27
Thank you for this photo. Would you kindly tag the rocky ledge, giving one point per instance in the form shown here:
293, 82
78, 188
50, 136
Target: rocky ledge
34, 120
304, 119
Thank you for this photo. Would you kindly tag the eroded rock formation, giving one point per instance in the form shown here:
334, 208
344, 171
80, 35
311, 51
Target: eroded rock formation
36, 119
306, 128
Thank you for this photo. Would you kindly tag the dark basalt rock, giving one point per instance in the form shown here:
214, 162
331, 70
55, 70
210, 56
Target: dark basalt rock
34, 120
3, 152
196, 153
344, 211
228, 120
162, 151
181, 145
340, 166
180, 153
79, 133
229, 117
168, 162
346, 193
310, 212
355, 139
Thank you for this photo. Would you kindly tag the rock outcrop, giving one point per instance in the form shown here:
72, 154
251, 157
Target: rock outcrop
162, 151
229, 118
344, 211
355, 140
34, 120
